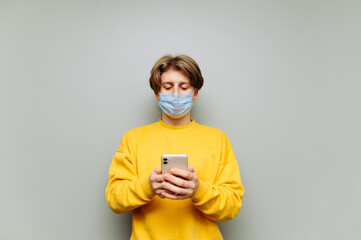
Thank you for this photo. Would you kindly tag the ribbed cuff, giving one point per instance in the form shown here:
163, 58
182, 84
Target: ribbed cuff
201, 192
144, 184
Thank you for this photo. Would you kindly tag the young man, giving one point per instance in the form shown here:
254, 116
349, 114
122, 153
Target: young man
182, 204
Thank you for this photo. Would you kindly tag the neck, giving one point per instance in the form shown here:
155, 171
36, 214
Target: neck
186, 119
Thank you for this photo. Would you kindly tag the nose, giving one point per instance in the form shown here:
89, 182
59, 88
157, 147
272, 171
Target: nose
176, 90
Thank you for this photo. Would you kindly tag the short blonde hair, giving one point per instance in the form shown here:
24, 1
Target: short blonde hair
182, 63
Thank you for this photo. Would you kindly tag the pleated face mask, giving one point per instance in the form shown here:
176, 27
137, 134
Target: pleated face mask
176, 105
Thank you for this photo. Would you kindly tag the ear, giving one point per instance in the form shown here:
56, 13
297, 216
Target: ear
195, 94
157, 96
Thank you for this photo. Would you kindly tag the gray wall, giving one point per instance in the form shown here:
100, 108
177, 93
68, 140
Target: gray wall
282, 79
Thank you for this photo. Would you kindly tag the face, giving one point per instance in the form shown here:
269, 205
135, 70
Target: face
176, 82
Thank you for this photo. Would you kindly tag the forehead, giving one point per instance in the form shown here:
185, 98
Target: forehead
174, 77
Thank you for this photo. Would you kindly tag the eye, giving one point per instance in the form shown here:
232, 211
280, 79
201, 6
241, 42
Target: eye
184, 87
167, 86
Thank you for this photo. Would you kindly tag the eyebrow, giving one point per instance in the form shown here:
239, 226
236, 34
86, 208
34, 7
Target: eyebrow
181, 83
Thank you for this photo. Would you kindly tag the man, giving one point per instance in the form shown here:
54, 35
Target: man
182, 204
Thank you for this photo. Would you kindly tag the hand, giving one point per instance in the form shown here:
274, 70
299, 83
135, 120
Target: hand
155, 181
180, 184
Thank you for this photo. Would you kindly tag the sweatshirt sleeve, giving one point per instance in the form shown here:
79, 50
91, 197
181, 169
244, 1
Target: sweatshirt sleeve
125, 190
221, 200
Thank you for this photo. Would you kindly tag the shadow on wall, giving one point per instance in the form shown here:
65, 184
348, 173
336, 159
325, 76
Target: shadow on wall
122, 226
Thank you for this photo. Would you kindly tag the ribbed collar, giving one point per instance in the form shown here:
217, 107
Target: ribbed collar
176, 128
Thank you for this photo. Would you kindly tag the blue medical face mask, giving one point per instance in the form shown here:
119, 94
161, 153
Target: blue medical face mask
176, 105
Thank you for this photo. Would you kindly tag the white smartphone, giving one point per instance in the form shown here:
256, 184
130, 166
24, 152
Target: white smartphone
174, 161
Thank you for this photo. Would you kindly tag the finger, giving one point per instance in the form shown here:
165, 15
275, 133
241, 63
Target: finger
191, 168
181, 173
158, 170
156, 177
159, 191
175, 189
173, 196
156, 186
180, 182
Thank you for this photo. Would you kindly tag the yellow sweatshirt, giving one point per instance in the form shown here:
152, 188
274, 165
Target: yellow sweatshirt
218, 197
